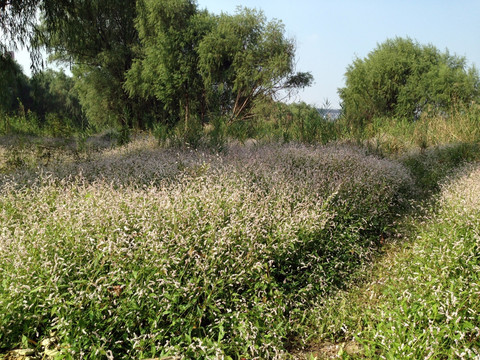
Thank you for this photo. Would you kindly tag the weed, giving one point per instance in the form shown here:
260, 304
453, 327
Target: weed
225, 255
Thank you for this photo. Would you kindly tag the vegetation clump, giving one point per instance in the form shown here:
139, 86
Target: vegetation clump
201, 256
403, 79
421, 299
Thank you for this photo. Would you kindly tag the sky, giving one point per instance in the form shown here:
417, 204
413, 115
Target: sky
329, 35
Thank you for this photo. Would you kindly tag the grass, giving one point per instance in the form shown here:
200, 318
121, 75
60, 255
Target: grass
398, 136
264, 250
142, 251
422, 299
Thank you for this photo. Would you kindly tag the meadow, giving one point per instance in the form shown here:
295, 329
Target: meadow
265, 249
421, 299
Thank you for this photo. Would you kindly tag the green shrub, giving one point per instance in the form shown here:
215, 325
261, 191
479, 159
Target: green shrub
389, 135
22, 124
161, 133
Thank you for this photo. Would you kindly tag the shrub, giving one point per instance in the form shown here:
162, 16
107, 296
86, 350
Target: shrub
401, 78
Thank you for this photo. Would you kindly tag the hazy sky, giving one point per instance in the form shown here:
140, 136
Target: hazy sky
330, 34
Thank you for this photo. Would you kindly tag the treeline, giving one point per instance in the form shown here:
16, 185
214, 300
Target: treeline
141, 64
48, 99
182, 72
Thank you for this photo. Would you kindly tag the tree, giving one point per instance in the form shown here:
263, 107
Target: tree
192, 61
167, 68
19, 25
99, 39
53, 93
96, 37
14, 85
17, 19
401, 78
245, 59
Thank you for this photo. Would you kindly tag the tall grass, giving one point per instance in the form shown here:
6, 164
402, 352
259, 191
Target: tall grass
28, 124
143, 252
422, 299
392, 136
25, 124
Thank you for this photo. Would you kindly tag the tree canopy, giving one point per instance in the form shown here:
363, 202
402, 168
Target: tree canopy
16, 20
402, 78
246, 58
53, 93
192, 61
138, 62
13, 84
166, 68
99, 39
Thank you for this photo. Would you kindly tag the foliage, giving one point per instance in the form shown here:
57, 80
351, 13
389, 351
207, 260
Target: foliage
17, 21
212, 66
420, 301
394, 136
99, 38
179, 253
13, 85
277, 121
136, 63
167, 67
28, 123
53, 94
311, 125
245, 59
403, 79
45, 104
20, 123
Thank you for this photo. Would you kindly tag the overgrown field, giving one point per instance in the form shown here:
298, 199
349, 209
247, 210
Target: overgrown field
422, 299
141, 252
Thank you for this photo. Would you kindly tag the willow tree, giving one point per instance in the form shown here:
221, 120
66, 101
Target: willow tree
98, 38
17, 24
197, 63
167, 66
13, 85
246, 59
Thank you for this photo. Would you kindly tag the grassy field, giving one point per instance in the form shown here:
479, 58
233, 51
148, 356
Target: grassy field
141, 251
421, 300
264, 251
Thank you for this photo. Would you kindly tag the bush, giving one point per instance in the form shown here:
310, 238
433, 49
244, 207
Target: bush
403, 79
22, 124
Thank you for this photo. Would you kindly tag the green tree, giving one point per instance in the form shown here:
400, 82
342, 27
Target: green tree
194, 62
401, 78
53, 93
19, 26
245, 59
14, 85
167, 68
99, 38
17, 19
